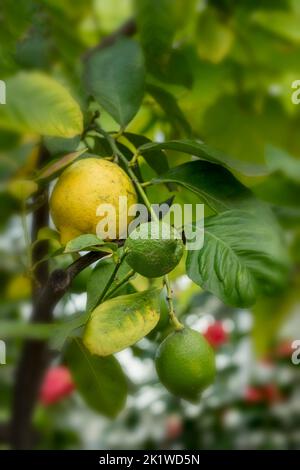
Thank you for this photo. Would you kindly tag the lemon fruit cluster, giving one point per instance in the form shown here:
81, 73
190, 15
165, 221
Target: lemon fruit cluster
81, 189
185, 364
154, 249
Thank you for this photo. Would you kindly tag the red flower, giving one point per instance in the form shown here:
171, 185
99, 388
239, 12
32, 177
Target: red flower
272, 393
253, 395
284, 349
174, 427
57, 384
266, 393
216, 335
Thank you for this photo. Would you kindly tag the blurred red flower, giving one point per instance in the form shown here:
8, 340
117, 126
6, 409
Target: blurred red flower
266, 393
253, 395
272, 393
174, 427
216, 334
284, 349
57, 384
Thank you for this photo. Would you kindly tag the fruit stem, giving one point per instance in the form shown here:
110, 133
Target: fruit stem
113, 275
132, 175
145, 184
120, 284
173, 319
134, 160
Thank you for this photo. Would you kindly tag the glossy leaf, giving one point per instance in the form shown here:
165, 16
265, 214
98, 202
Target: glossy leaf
39, 104
242, 257
115, 77
59, 146
121, 322
215, 185
100, 381
55, 167
88, 242
99, 278
156, 159
205, 152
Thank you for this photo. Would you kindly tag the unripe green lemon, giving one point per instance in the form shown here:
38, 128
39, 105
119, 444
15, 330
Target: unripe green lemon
154, 249
185, 364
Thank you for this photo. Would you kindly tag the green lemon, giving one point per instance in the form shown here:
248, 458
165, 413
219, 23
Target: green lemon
154, 249
185, 364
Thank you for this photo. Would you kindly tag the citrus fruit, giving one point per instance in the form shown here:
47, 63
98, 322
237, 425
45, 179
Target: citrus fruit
185, 364
81, 189
154, 249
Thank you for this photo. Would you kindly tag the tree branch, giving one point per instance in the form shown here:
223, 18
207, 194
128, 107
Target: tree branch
127, 29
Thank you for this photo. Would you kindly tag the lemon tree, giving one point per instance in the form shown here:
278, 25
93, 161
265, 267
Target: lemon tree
144, 117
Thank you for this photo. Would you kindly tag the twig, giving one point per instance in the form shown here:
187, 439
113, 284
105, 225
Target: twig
127, 29
119, 284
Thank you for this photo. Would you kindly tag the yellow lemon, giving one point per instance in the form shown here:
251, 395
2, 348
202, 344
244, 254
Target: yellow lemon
81, 189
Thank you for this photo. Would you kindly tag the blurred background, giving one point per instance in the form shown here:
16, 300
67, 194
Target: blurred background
228, 81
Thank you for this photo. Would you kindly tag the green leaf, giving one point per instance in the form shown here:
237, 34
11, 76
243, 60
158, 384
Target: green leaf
242, 257
99, 380
289, 217
215, 185
280, 161
97, 282
177, 70
204, 152
171, 108
121, 322
99, 278
269, 314
52, 170
279, 190
156, 20
59, 146
284, 24
36, 103
18, 329
47, 233
88, 242
156, 159
68, 329
115, 77
214, 37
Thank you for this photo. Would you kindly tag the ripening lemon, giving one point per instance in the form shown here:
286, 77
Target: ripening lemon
185, 363
154, 249
80, 190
